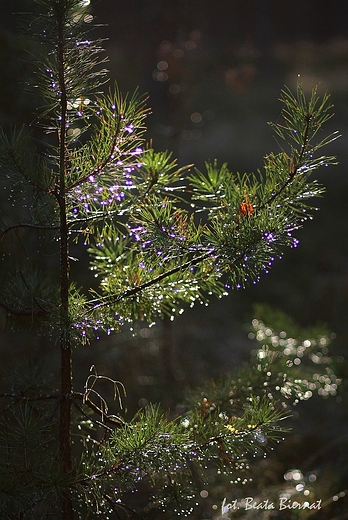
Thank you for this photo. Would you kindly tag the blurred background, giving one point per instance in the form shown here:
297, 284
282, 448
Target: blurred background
213, 72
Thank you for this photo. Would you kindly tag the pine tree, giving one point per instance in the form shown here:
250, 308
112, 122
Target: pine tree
160, 237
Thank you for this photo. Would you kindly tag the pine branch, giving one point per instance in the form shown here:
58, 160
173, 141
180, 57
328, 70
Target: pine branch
20, 168
172, 259
92, 218
27, 225
294, 167
10, 152
24, 311
96, 170
196, 445
116, 298
218, 253
124, 507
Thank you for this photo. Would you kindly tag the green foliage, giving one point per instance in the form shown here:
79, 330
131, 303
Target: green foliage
75, 65
161, 237
245, 219
225, 424
172, 454
98, 169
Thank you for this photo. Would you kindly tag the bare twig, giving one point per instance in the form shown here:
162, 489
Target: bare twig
111, 419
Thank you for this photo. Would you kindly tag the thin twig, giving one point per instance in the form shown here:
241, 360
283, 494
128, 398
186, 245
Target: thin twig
121, 506
27, 225
102, 424
112, 419
293, 172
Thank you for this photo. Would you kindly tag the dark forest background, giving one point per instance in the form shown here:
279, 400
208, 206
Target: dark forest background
213, 71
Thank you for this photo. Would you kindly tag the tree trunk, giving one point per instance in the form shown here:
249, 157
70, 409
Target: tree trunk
65, 344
